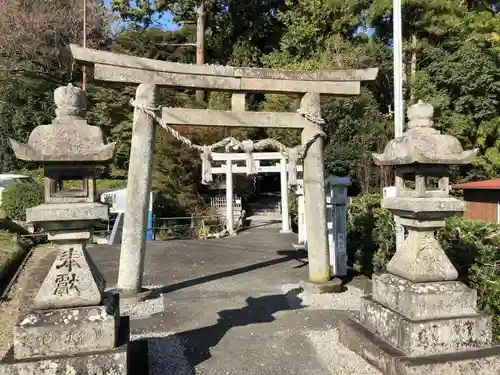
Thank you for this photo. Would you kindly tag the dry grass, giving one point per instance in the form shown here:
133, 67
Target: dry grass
20, 298
10, 247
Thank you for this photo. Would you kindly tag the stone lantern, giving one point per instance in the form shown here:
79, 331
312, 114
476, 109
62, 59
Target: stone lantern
74, 323
419, 319
421, 159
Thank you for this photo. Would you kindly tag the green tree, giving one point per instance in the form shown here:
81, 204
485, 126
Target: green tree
325, 35
457, 68
41, 50
35, 60
237, 31
24, 104
110, 106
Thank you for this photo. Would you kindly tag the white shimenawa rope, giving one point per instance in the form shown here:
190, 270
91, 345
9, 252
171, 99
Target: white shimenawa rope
293, 155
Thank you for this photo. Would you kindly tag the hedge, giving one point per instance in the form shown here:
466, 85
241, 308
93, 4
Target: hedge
472, 246
102, 183
17, 198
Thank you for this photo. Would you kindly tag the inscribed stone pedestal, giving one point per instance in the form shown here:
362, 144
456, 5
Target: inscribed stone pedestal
73, 280
422, 259
56, 332
109, 362
419, 319
424, 301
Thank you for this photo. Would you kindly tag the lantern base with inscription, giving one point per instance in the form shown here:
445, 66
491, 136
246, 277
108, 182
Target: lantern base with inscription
109, 362
389, 360
79, 340
74, 327
67, 331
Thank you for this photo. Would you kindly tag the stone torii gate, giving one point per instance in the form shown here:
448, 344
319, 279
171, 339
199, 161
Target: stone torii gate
150, 73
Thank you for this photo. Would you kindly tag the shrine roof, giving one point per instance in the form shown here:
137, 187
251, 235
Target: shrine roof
484, 185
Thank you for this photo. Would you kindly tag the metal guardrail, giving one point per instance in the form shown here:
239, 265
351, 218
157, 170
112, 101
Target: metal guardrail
168, 228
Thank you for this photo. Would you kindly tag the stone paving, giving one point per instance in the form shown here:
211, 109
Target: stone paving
233, 306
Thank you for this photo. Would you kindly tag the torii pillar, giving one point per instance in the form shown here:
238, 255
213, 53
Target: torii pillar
314, 197
130, 69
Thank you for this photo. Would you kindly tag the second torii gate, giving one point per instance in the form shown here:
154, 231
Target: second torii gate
149, 73
229, 168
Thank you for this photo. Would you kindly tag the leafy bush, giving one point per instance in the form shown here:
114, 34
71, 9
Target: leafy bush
17, 198
8, 248
11, 246
474, 249
472, 246
102, 183
370, 234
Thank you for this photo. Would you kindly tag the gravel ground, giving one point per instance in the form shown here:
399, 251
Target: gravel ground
336, 358
165, 354
166, 350
19, 298
143, 309
348, 300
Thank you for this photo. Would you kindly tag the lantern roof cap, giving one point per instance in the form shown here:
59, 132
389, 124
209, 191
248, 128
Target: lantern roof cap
68, 138
422, 144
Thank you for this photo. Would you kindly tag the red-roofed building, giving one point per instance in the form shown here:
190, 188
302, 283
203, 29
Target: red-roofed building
483, 200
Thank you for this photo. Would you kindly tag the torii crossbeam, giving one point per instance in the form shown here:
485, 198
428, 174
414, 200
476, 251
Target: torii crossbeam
152, 73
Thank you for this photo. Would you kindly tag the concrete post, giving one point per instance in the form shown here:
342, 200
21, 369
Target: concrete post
301, 219
138, 194
150, 229
229, 197
285, 214
117, 231
315, 207
337, 224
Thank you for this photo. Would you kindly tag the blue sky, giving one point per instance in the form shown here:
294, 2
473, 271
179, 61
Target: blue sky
165, 21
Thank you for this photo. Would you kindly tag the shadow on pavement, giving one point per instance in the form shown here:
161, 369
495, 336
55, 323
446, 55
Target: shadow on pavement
258, 310
180, 353
286, 256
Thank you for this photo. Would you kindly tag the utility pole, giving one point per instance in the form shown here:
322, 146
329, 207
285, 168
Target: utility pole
413, 67
398, 97
398, 68
84, 69
399, 117
200, 42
